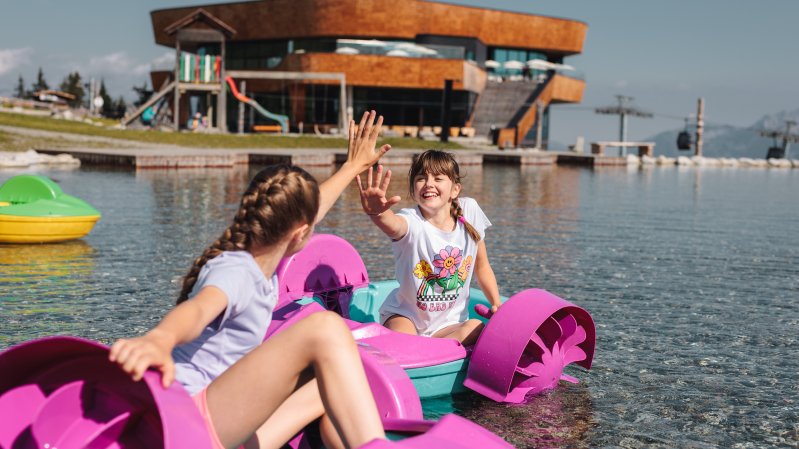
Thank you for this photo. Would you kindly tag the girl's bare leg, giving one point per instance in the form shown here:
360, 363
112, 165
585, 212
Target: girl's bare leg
399, 323
299, 410
330, 438
242, 399
466, 332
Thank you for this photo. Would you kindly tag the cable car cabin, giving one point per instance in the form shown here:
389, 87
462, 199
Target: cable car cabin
684, 141
776, 153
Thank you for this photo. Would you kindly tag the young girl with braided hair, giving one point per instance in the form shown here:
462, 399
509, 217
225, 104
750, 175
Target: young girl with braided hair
437, 245
254, 393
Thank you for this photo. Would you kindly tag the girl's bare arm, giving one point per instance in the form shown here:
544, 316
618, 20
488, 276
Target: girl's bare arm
485, 276
182, 324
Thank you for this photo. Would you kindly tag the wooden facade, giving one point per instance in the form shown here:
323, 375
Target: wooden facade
385, 19
390, 71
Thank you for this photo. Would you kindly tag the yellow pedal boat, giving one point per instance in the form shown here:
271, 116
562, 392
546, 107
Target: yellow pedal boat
33, 209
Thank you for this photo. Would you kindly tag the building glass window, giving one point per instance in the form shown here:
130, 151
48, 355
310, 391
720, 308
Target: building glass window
315, 45
535, 55
412, 107
503, 55
255, 55
269, 54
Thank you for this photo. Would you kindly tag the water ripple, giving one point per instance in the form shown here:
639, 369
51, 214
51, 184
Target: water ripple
692, 277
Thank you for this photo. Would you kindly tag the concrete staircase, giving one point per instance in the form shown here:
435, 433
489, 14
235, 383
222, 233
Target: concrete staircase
499, 103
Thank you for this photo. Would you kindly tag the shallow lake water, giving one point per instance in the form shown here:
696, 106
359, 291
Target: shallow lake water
691, 275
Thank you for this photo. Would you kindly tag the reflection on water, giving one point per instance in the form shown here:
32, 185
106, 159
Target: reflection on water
560, 418
30, 264
38, 284
691, 275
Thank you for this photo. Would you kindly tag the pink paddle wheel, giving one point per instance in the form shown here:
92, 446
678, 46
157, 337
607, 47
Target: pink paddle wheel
527, 343
62, 392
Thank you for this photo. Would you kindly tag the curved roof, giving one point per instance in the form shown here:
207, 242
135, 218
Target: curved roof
383, 19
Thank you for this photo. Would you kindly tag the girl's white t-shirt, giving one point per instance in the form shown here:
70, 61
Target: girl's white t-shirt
434, 269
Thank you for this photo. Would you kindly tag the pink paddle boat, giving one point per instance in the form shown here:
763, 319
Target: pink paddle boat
522, 350
62, 392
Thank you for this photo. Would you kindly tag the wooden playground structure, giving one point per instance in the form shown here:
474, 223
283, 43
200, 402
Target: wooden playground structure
197, 72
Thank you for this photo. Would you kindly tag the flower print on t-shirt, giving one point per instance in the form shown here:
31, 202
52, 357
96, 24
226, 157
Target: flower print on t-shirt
443, 280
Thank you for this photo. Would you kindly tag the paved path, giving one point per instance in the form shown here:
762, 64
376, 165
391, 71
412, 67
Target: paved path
78, 138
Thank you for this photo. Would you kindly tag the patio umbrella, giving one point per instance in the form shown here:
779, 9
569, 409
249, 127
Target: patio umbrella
513, 65
415, 48
364, 42
540, 64
490, 63
347, 51
373, 43
397, 52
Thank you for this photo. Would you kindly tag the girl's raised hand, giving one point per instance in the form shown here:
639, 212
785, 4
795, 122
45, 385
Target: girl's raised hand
373, 194
362, 141
136, 355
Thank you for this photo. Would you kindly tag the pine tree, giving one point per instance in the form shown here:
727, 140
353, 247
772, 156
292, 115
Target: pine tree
121, 107
73, 84
20, 91
108, 104
40, 83
143, 94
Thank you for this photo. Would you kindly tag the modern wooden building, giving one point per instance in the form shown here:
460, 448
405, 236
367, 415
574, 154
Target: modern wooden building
317, 62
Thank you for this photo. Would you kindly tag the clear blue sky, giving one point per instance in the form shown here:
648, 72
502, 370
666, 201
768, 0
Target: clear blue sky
740, 55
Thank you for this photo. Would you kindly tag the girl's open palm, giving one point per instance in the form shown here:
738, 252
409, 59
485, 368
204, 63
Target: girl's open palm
373, 193
363, 140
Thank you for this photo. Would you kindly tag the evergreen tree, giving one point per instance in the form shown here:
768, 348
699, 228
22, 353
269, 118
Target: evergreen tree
20, 91
143, 94
40, 83
109, 109
121, 107
73, 84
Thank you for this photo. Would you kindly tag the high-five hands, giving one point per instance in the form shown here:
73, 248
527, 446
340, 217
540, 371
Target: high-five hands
363, 140
373, 193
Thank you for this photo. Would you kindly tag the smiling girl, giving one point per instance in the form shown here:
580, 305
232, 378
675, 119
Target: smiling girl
438, 246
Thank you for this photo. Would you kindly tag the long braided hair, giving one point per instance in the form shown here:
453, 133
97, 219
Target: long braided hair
437, 162
278, 198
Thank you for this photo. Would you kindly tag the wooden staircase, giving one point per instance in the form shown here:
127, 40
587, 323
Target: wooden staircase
498, 104
510, 107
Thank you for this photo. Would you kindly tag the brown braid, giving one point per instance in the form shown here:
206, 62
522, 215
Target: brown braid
437, 162
457, 212
279, 198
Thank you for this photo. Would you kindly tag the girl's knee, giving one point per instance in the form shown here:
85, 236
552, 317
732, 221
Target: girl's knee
326, 327
329, 321
469, 331
399, 323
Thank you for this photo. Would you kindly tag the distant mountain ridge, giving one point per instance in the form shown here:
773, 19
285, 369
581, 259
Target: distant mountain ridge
731, 141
